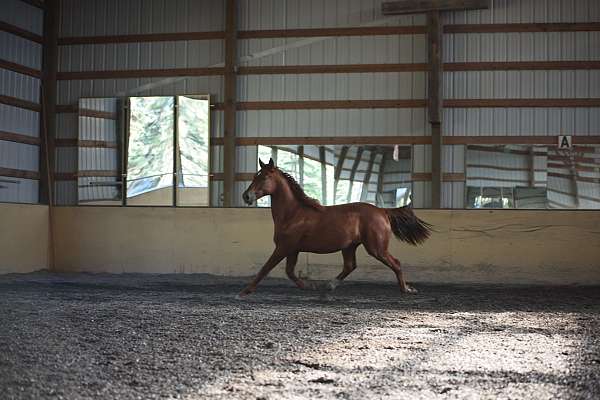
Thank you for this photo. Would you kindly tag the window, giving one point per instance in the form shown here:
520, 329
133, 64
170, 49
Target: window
168, 151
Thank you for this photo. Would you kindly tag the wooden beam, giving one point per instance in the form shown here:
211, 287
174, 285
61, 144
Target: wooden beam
48, 115
140, 73
435, 98
512, 103
19, 138
332, 32
20, 103
332, 69
357, 160
514, 139
141, 38
549, 140
446, 177
84, 112
97, 173
21, 69
230, 100
323, 161
19, 173
15, 30
530, 27
99, 144
423, 6
329, 104
522, 66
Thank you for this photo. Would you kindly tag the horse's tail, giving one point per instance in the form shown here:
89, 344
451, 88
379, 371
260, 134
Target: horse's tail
407, 227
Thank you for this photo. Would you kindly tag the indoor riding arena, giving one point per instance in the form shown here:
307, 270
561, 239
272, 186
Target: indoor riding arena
299, 199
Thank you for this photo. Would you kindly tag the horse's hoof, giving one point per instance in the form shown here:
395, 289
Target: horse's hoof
410, 290
332, 284
244, 293
300, 285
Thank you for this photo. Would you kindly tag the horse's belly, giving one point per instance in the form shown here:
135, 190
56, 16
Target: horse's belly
327, 240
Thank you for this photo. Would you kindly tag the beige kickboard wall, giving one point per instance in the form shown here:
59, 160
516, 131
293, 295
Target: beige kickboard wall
524, 246
23, 238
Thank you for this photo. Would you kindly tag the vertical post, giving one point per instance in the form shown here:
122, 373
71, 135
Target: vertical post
323, 161
531, 167
434, 40
126, 119
47, 121
175, 149
301, 165
380, 180
230, 102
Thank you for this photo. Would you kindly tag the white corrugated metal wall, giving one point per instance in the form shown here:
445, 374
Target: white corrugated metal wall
110, 17
15, 155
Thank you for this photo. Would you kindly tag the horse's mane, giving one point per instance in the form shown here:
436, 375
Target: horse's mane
299, 193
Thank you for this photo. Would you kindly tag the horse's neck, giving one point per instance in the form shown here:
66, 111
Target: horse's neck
283, 203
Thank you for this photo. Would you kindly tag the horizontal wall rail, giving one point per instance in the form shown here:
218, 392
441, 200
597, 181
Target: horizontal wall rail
19, 138
16, 102
15, 30
311, 32
21, 69
19, 173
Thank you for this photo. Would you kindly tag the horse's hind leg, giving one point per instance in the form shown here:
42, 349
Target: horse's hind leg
290, 264
349, 254
398, 270
378, 249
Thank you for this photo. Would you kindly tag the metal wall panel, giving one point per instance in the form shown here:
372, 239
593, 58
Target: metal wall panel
16, 190
18, 156
354, 122
528, 11
334, 50
453, 161
20, 86
294, 14
123, 17
342, 86
109, 17
149, 55
65, 192
22, 15
20, 51
19, 120
521, 121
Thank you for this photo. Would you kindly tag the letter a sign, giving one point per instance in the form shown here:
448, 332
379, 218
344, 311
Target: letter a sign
565, 142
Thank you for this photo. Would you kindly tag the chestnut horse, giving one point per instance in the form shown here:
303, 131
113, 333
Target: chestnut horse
303, 224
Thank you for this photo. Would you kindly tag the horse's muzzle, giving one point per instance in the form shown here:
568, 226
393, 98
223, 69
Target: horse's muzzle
248, 197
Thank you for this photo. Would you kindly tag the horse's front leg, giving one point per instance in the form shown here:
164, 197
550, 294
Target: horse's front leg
290, 264
271, 263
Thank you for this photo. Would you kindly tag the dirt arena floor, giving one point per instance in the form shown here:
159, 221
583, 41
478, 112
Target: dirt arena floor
186, 336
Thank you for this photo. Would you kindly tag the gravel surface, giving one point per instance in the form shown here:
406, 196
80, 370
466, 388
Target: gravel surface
186, 336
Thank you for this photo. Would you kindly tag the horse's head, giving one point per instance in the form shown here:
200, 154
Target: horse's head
263, 184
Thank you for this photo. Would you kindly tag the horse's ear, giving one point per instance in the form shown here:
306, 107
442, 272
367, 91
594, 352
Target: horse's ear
271, 163
262, 164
